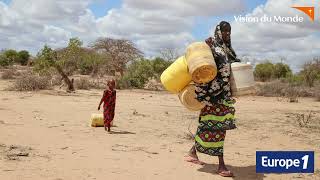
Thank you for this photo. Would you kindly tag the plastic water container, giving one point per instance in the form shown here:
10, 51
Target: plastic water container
242, 80
201, 64
188, 98
97, 120
176, 76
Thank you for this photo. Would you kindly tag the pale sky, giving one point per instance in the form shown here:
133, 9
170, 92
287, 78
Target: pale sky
154, 25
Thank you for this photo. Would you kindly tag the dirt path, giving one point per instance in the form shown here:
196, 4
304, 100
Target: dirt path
45, 135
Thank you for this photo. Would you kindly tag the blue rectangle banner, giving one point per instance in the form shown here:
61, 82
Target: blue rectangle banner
285, 161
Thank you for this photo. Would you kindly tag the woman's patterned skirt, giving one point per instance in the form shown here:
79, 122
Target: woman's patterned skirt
213, 122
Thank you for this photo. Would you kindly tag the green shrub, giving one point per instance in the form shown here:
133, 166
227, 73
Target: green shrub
294, 79
264, 72
281, 71
11, 54
140, 71
267, 71
4, 61
91, 63
159, 65
23, 57
311, 72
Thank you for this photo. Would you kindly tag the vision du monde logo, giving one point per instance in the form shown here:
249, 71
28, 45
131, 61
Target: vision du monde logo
308, 10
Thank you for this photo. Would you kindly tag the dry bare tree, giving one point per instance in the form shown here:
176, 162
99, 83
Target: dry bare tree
121, 51
169, 54
311, 71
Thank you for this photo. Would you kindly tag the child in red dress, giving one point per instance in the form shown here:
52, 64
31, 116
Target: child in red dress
109, 103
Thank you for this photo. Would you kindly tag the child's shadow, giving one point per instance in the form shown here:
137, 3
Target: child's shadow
240, 173
121, 132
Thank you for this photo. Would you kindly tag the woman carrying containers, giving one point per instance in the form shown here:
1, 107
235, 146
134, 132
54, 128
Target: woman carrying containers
218, 114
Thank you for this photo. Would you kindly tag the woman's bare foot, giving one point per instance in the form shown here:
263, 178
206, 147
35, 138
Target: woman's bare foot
223, 170
193, 160
193, 157
225, 173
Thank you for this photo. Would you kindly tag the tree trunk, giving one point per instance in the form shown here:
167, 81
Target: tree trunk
66, 79
119, 70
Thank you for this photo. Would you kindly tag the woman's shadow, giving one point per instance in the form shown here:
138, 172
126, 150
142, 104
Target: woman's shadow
240, 173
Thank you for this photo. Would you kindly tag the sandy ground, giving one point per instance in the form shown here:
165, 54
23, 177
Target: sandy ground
45, 135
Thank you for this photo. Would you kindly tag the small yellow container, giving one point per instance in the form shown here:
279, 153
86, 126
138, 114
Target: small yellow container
97, 120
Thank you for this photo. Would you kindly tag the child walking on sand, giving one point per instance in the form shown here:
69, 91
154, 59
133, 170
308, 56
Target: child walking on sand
109, 103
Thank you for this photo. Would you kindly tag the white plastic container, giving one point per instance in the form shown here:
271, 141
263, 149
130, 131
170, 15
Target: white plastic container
242, 80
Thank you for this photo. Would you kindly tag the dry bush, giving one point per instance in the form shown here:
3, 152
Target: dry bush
55, 80
8, 74
272, 89
97, 85
153, 85
284, 89
305, 91
86, 83
308, 120
304, 119
292, 93
83, 83
31, 82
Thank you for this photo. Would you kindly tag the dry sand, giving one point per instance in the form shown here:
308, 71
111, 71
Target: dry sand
45, 135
